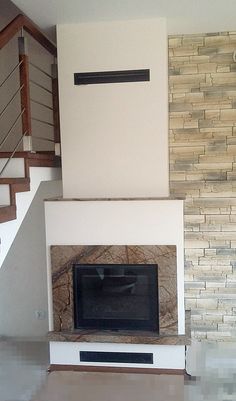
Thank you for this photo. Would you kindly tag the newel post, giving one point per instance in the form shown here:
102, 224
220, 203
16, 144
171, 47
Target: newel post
56, 120
25, 94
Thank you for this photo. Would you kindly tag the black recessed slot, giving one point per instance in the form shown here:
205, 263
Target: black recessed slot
116, 357
107, 77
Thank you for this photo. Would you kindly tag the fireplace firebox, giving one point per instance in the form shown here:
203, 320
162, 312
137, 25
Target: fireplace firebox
115, 297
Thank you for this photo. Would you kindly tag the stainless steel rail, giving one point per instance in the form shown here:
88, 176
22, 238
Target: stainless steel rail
40, 86
11, 100
11, 128
41, 104
42, 121
10, 74
40, 69
12, 154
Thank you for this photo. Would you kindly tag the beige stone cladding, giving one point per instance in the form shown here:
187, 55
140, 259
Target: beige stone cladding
202, 87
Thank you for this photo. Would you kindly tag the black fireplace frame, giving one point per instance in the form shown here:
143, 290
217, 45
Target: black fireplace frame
152, 324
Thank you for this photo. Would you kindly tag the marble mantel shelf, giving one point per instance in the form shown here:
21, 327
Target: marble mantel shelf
122, 336
169, 198
118, 337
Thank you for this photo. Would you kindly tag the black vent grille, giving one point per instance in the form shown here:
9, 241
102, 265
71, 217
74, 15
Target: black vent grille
107, 77
116, 357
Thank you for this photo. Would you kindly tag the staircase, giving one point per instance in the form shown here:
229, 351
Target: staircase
29, 122
12, 183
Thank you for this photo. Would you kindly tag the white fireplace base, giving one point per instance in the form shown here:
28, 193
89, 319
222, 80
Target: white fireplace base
118, 222
164, 356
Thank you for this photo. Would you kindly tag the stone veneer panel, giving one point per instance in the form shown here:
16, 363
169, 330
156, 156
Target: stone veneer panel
63, 257
202, 88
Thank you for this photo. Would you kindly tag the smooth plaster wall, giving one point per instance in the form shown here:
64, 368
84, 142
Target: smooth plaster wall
114, 136
185, 16
8, 12
23, 278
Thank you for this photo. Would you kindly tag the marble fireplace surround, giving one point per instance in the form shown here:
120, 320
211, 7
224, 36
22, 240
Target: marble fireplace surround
64, 256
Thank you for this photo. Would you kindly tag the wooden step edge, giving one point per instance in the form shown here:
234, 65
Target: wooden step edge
15, 188
5, 155
43, 156
7, 213
32, 155
44, 162
17, 180
55, 162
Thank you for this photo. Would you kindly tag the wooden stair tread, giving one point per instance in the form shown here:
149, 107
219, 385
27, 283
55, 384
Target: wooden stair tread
39, 159
17, 180
30, 155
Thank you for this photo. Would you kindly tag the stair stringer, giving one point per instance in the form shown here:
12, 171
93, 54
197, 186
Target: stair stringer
9, 229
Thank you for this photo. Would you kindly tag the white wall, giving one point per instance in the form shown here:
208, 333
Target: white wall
23, 278
185, 16
8, 12
117, 223
114, 136
8, 230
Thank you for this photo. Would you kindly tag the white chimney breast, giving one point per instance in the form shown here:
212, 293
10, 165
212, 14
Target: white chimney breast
114, 136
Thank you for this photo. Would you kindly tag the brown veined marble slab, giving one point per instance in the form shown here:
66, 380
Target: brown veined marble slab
109, 337
64, 256
123, 336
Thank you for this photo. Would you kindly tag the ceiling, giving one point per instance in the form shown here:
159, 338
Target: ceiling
183, 16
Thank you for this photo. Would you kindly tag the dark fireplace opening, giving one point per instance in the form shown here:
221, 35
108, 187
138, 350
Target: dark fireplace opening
116, 297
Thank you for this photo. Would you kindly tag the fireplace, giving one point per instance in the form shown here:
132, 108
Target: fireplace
108, 265
115, 296
93, 234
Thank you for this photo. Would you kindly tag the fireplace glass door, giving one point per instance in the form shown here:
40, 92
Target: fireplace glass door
116, 297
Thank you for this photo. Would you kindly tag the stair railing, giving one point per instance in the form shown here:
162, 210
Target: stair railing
20, 24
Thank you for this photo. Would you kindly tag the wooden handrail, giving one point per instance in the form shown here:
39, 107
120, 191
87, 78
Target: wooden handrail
16, 25
19, 22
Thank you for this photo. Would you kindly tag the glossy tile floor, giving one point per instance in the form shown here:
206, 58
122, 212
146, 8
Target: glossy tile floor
23, 369
74, 386
23, 377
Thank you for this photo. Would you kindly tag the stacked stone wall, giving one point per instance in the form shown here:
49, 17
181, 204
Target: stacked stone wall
202, 90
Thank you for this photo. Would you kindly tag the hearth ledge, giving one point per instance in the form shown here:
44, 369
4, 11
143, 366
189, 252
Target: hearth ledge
123, 336
60, 199
118, 337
